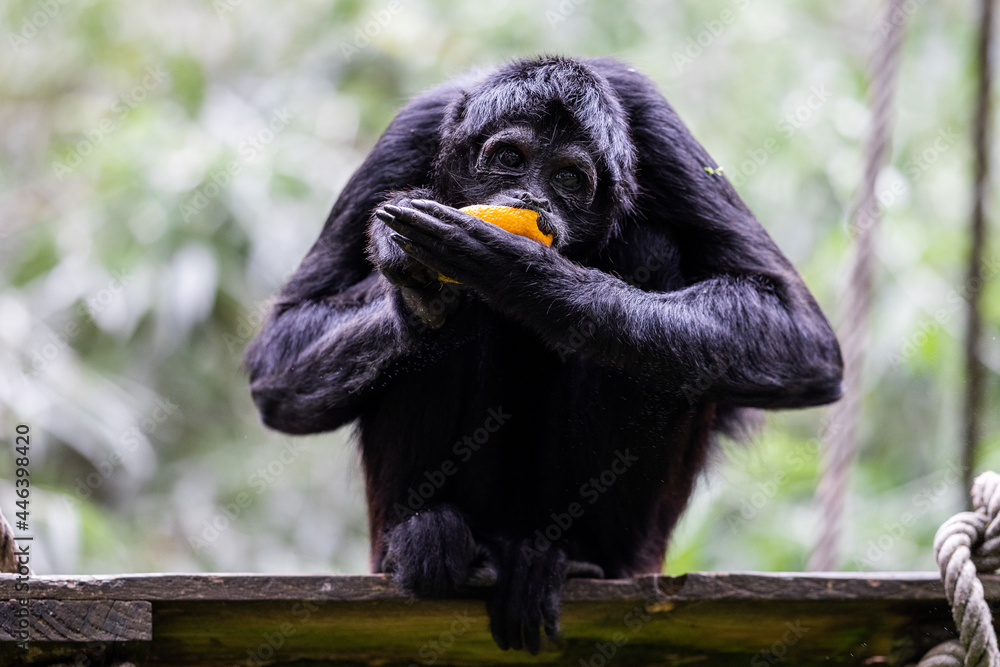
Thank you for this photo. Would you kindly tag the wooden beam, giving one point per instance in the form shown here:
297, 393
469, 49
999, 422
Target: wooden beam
706, 618
693, 586
77, 620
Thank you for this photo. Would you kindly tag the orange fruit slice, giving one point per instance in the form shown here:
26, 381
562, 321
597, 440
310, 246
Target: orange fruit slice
520, 221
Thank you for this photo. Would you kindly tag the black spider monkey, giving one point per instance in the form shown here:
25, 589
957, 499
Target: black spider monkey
556, 405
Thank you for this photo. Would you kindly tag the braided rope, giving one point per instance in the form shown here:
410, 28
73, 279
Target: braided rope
965, 544
840, 439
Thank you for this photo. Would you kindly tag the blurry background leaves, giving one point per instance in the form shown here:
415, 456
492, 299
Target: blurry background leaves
164, 167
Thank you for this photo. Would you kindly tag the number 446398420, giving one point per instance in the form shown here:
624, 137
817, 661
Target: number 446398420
21, 444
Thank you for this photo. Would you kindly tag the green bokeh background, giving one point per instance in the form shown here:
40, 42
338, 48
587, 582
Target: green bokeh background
148, 212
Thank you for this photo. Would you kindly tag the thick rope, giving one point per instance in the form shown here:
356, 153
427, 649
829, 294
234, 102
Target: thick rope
965, 544
841, 438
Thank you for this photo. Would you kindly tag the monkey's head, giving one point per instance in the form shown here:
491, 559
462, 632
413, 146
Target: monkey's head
547, 134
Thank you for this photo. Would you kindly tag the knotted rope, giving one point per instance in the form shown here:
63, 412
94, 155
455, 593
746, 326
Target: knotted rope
965, 544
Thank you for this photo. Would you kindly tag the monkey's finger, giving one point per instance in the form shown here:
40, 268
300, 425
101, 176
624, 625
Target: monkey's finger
513, 626
425, 256
483, 243
477, 228
409, 247
550, 613
405, 219
415, 236
406, 268
532, 631
447, 213
449, 243
458, 262
522, 605
497, 608
384, 215
553, 599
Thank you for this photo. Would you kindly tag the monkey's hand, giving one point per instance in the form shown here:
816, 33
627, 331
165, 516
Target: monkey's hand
527, 594
476, 253
399, 268
421, 290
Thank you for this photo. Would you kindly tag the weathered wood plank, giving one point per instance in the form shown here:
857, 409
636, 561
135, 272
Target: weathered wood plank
455, 633
77, 621
693, 586
706, 619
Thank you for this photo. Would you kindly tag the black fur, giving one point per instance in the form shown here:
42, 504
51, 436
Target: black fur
558, 404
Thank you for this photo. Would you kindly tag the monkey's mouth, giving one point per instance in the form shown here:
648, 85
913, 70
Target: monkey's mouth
545, 226
539, 206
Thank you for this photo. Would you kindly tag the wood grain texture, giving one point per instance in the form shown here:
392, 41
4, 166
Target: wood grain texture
700, 618
693, 586
78, 620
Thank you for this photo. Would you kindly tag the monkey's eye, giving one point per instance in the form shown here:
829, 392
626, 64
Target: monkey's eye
569, 180
509, 157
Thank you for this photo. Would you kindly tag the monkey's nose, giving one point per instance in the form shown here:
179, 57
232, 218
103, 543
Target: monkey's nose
536, 203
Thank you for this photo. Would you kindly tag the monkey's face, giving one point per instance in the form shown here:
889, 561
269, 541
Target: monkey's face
553, 175
547, 137
546, 166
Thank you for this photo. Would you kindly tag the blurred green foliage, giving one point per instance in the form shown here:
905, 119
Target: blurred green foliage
164, 167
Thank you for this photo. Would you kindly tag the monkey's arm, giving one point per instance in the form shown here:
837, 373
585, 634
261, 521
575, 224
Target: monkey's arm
317, 361
339, 324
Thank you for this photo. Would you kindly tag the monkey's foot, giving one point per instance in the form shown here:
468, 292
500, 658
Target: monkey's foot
527, 595
429, 553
